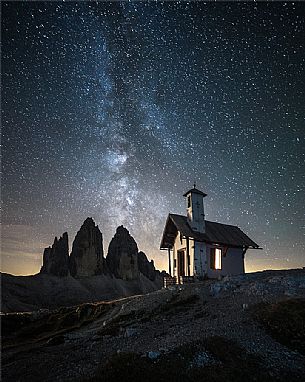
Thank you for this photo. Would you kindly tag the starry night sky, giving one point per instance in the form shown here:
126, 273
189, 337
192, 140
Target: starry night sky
112, 110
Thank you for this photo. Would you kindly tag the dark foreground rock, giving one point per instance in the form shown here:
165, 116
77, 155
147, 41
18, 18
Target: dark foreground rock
187, 333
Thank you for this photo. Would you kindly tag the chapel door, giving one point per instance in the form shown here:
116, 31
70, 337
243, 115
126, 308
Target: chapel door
181, 263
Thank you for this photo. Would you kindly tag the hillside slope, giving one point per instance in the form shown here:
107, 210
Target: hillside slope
41, 291
249, 327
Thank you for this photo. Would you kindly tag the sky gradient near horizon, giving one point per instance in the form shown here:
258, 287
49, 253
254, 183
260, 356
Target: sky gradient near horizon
112, 110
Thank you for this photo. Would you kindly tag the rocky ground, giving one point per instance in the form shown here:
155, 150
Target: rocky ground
249, 327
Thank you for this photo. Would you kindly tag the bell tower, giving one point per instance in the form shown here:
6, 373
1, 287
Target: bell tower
195, 209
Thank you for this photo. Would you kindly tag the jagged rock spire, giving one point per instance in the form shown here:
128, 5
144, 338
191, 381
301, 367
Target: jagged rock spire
122, 258
56, 258
147, 268
123, 261
87, 257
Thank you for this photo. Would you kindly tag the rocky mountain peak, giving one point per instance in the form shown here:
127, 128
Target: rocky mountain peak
87, 258
89, 222
124, 261
121, 231
122, 258
146, 267
56, 258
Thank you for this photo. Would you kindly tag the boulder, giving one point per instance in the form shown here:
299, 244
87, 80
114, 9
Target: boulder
87, 257
122, 257
153, 355
56, 258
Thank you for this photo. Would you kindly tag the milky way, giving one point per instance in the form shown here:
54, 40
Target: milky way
113, 110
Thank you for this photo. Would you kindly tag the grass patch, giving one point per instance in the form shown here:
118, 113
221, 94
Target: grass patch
284, 321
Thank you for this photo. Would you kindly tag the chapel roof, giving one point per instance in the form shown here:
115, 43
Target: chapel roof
216, 233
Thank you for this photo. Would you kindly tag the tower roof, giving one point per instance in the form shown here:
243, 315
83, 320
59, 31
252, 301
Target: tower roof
194, 190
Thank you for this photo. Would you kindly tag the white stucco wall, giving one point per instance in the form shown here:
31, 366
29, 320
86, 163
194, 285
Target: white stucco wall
231, 264
182, 245
199, 259
195, 213
177, 245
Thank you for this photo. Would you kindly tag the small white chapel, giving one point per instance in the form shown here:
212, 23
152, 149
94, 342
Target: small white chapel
198, 248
